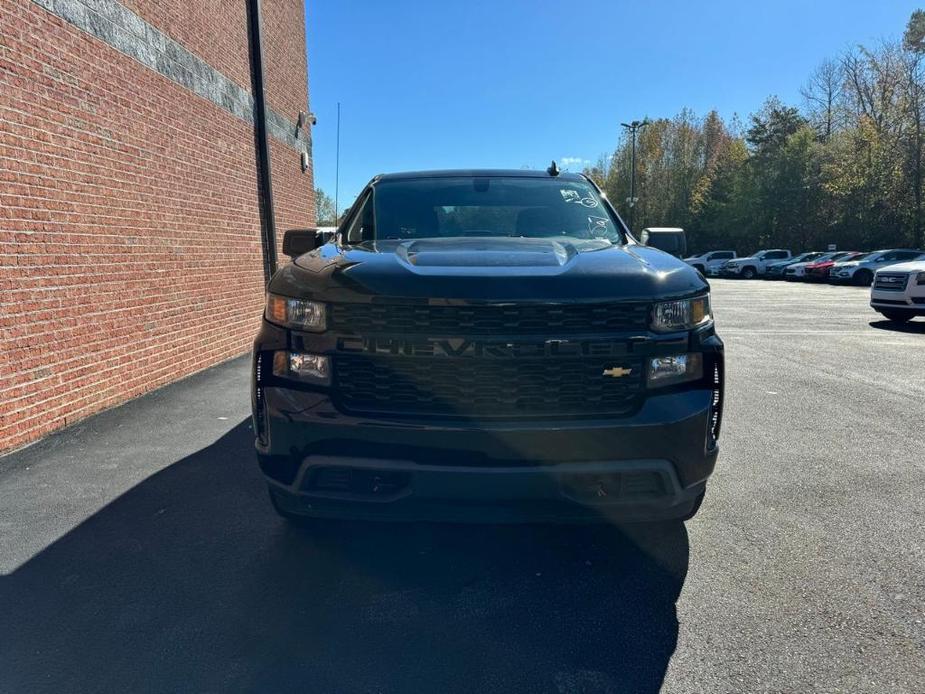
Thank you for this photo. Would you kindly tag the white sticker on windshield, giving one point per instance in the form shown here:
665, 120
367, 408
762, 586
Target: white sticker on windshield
574, 196
597, 226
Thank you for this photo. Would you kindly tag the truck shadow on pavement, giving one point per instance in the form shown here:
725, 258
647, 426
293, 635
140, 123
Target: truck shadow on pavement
914, 327
189, 582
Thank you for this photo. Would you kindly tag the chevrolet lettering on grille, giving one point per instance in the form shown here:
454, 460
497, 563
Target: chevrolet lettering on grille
461, 347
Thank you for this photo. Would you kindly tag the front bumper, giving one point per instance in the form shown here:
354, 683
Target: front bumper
651, 465
911, 300
841, 277
382, 489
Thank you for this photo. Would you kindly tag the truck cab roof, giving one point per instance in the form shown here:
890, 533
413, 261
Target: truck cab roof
477, 173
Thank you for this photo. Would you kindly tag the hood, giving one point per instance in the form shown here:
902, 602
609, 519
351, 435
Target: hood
735, 261
909, 266
487, 269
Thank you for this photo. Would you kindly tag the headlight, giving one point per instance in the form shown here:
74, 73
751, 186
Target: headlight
309, 368
684, 314
674, 369
920, 278
296, 313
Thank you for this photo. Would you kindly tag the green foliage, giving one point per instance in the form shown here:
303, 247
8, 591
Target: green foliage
914, 38
845, 168
324, 209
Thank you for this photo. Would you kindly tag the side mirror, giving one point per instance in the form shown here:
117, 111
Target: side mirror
299, 241
644, 237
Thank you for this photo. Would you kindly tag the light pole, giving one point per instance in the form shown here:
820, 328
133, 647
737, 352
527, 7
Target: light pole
337, 169
633, 128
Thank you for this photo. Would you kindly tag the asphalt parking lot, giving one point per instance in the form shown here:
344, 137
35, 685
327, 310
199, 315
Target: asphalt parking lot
138, 551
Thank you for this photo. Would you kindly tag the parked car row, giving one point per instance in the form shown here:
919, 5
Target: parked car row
896, 275
838, 267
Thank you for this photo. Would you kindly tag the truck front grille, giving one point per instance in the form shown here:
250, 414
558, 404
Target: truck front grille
485, 387
891, 282
488, 319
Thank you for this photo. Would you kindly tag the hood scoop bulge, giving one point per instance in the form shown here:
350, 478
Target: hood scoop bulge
486, 253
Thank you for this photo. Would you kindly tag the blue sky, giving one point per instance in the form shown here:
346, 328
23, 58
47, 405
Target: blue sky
509, 83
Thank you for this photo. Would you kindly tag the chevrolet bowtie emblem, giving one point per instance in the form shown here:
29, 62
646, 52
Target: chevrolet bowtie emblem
617, 372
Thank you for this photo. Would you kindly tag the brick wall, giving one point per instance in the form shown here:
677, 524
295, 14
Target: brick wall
130, 250
215, 30
286, 93
286, 88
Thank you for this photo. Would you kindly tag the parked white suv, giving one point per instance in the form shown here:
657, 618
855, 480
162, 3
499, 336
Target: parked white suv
754, 265
712, 261
898, 291
862, 271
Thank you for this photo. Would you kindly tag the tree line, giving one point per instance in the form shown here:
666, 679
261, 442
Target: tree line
845, 166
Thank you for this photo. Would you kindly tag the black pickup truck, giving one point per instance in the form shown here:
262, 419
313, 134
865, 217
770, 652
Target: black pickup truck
489, 346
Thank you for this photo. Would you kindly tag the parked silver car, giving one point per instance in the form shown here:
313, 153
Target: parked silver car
861, 272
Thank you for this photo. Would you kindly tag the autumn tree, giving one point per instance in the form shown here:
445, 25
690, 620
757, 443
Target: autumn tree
843, 167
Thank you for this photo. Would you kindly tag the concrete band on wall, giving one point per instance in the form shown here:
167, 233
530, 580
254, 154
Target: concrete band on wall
122, 29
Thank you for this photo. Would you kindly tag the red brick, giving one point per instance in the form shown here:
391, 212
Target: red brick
130, 250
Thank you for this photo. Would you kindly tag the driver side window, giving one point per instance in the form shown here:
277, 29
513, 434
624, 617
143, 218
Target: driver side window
363, 226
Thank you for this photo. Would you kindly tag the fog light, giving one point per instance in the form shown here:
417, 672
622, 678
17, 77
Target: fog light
309, 368
677, 368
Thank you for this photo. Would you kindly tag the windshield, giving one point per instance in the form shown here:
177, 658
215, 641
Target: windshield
483, 207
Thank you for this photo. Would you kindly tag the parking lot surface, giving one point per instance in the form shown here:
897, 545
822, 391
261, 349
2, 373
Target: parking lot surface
138, 551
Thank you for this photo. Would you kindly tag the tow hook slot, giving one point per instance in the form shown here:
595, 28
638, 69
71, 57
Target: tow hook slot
592, 488
605, 488
357, 481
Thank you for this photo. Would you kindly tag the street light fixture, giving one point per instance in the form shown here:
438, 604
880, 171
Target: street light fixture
633, 127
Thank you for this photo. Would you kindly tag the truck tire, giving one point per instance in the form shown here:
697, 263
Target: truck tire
863, 278
748, 273
896, 315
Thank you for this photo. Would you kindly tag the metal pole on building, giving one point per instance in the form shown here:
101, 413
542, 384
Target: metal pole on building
337, 169
262, 142
633, 128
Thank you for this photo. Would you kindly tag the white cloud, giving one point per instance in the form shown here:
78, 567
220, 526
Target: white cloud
574, 162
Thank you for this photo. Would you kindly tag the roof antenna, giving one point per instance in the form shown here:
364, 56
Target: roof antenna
553, 169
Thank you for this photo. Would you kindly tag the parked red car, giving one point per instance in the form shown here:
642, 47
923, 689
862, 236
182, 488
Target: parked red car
819, 272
